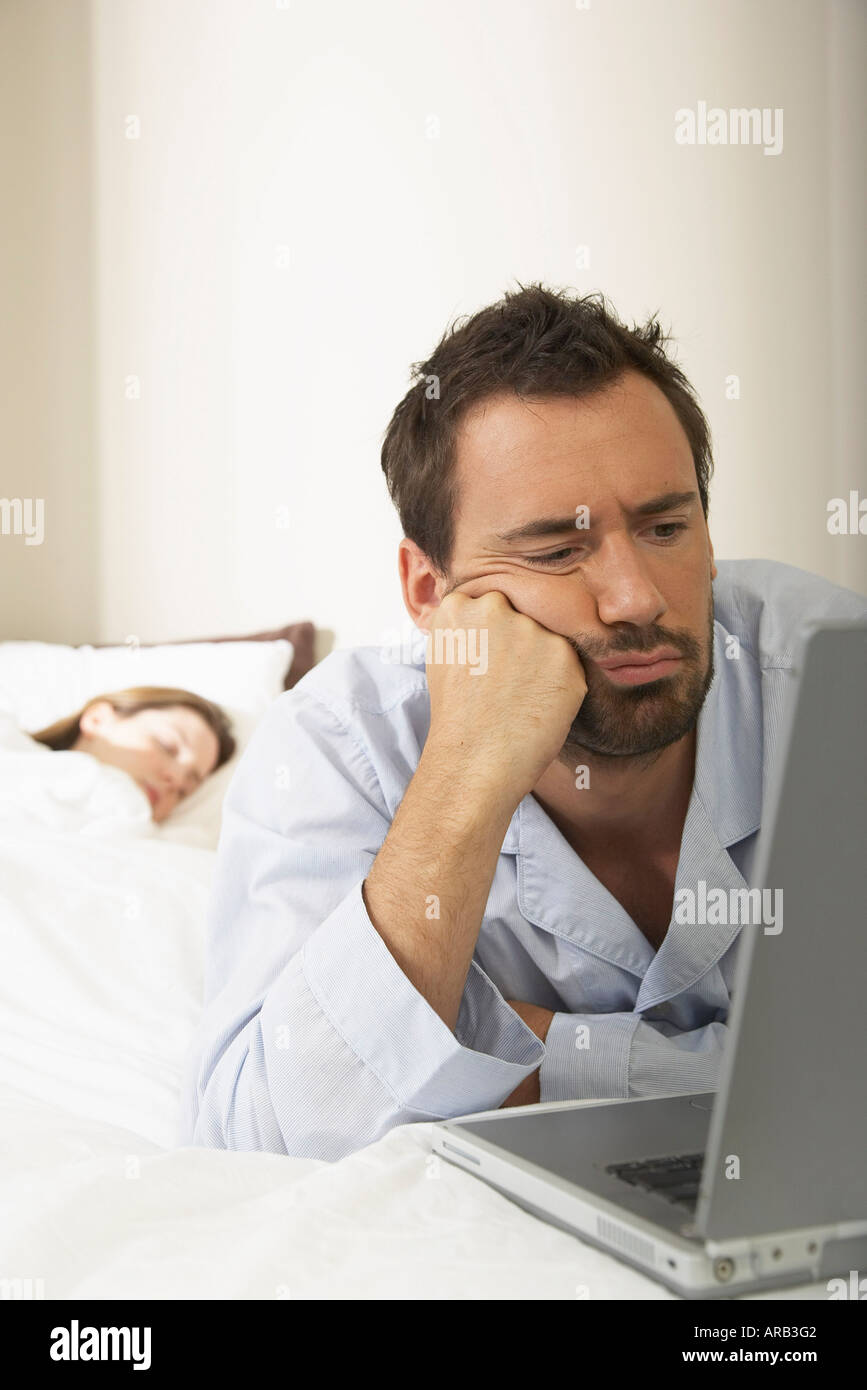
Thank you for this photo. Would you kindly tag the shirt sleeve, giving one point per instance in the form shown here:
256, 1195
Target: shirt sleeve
622, 1056
313, 1042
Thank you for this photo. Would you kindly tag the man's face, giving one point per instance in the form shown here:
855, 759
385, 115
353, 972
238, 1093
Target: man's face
636, 580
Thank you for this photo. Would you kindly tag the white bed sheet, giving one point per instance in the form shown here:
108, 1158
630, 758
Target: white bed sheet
93, 1211
102, 941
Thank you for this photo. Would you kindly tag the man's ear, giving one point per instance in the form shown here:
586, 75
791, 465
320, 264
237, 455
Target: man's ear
422, 584
713, 570
96, 717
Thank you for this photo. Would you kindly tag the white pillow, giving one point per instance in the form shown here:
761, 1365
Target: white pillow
42, 681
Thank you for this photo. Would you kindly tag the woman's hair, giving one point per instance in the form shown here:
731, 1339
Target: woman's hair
63, 733
535, 342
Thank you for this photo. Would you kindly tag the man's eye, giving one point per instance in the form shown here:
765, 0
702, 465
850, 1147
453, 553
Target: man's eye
555, 557
665, 531
673, 527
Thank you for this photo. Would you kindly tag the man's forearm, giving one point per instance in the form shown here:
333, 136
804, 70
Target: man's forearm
427, 889
493, 731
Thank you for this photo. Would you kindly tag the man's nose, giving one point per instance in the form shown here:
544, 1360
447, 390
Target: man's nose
621, 585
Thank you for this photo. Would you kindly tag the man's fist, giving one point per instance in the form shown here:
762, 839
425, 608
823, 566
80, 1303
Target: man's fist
503, 689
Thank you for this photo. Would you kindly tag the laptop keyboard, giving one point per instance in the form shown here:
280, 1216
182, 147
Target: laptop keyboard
676, 1178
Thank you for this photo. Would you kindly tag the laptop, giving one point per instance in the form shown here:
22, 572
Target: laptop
761, 1184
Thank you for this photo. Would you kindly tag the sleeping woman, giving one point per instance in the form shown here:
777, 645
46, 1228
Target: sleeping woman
168, 741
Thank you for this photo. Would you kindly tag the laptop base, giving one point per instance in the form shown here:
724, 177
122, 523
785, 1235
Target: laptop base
576, 1193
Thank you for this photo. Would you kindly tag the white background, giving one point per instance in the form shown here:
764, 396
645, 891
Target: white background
266, 386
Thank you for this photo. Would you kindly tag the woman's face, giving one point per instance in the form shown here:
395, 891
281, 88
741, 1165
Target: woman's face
168, 751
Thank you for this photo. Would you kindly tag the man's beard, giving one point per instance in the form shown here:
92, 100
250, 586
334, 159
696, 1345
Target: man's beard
630, 721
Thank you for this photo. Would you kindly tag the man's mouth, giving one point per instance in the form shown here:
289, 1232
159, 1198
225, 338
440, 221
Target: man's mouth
638, 668
153, 796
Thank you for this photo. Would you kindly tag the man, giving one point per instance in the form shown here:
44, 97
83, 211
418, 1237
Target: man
451, 885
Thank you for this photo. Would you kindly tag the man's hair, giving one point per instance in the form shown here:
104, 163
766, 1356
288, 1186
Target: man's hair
535, 342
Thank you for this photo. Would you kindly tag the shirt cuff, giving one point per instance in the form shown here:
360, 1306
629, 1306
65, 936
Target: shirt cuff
587, 1057
368, 999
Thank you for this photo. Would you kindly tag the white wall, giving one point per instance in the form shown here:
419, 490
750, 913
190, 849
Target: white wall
47, 449
267, 385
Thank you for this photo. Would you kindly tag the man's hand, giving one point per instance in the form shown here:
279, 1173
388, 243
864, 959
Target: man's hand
500, 722
539, 1021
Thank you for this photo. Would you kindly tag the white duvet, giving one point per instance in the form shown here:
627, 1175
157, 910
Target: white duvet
102, 935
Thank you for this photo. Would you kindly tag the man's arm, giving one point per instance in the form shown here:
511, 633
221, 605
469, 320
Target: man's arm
650, 1058
492, 734
440, 854
623, 1056
314, 1040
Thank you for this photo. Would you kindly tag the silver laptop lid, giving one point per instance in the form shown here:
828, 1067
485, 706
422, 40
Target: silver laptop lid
790, 1117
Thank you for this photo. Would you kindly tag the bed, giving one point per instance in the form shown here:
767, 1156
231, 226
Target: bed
102, 938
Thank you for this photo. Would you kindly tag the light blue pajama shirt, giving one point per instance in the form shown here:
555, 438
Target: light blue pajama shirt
314, 1043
